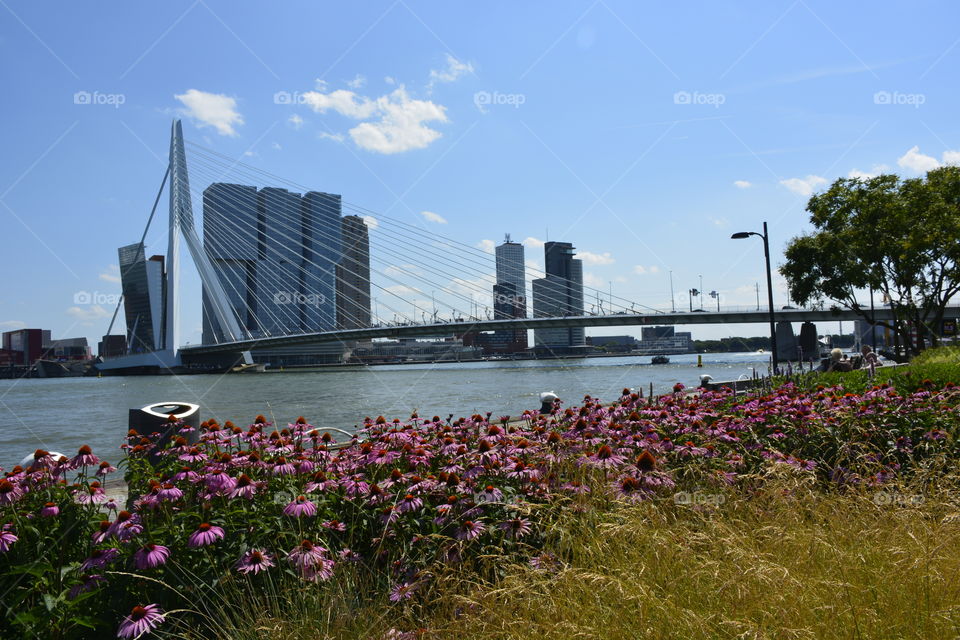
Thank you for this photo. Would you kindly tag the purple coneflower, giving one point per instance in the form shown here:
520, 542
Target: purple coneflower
88, 582
94, 494
142, 620
300, 507
150, 556
9, 492
99, 558
205, 534
105, 468
605, 458
306, 554
49, 510
254, 561
334, 525
283, 468
470, 529
403, 591
489, 494
244, 487
322, 570
84, 458
515, 527
169, 493
7, 538
410, 502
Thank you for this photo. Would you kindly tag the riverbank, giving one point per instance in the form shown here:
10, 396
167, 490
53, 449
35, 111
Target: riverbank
436, 523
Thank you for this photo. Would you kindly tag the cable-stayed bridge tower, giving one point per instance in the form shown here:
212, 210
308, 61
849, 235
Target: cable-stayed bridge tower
164, 355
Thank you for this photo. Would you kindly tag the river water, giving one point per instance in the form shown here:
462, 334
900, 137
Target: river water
63, 414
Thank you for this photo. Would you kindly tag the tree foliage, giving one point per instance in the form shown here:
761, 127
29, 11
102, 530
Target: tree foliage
900, 238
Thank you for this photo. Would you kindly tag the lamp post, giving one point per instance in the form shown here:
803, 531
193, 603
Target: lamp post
766, 254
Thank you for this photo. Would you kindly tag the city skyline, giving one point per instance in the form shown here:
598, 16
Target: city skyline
588, 123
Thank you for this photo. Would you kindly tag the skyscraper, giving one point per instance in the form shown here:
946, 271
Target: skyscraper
276, 254
510, 294
559, 294
353, 275
142, 282
231, 240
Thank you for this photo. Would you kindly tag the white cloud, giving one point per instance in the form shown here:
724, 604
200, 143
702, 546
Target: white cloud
594, 282
371, 222
357, 82
742, 184
916, 161
641, 270
720, 222
94, 312
394, 122
533, 243
803, 186
595, 258
402, 270
295, 121
451, 72
390, 80
400, 289
336, 137
534, 268
346, 103
430, 216
276, 146
921, 163
12, 325
487, 246
112, 274
211, 109
250, 154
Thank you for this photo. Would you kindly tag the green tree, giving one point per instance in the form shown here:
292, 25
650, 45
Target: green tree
900, 238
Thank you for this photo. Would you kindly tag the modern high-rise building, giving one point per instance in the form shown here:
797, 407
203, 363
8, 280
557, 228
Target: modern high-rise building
353, 275
510, 294
559, 294
283, 261
231, 239
276, 253
143, 286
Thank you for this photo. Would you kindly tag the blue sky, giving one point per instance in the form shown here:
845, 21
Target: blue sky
643, 133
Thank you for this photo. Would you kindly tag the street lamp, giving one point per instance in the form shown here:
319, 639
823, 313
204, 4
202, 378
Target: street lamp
716, 294
766, 254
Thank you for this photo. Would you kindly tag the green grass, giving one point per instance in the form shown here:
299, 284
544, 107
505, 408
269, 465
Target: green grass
938, 366
786, 562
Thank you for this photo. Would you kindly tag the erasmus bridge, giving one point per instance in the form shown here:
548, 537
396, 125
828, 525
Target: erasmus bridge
426, 285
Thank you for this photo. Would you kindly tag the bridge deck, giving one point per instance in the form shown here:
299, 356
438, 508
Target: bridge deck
614, 320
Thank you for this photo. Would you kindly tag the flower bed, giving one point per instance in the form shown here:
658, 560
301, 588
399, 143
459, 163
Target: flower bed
403, 498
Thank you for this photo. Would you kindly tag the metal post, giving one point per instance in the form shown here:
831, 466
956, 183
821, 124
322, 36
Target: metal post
773, 325
673, 308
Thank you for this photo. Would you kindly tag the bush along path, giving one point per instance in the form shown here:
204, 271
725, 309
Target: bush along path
263, 506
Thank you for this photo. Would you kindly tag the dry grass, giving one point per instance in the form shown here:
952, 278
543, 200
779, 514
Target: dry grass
787, 562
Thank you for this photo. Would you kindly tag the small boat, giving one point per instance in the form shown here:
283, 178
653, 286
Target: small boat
660, 360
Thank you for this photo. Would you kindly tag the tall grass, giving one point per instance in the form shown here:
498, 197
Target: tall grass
933, 367
788, 561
